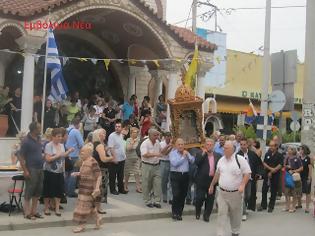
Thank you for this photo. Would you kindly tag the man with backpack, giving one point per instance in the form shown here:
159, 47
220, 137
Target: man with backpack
232, 174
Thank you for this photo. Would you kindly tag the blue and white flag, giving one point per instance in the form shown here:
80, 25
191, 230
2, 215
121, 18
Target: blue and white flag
59, 87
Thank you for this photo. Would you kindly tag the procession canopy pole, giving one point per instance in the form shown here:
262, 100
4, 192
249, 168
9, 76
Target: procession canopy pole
45, 82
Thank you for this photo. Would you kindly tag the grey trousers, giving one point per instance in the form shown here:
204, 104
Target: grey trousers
151, 183
229, 211
165, 180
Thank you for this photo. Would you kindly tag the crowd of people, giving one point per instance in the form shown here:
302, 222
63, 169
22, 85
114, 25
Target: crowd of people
101, 144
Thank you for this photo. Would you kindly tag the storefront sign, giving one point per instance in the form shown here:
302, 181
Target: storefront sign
257, 95
308, 116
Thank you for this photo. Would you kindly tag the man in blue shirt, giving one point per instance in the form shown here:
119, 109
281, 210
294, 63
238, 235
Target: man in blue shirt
127, 108
219, 146
31, 159
75, 141
179, 160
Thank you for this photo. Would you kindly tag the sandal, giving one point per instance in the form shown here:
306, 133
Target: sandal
78, 229
39, 216
291, 211
139, 191
57, 213
30, 217
47, 213
101, 212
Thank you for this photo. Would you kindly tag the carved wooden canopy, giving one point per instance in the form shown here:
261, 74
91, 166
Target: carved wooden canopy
186, 116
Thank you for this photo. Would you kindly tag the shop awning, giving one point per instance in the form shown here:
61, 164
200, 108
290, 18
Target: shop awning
238, 107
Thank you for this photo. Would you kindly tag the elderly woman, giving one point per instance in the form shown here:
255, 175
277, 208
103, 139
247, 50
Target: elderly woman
132, 161
53, 186
102, 159
294, 166
306, 177
89, 189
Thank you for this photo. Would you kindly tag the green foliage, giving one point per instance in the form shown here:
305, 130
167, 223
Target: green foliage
288, 137
248, 132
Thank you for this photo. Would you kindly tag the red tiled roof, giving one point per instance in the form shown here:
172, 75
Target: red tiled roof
26, 8
30, 8
186, 36
190, 37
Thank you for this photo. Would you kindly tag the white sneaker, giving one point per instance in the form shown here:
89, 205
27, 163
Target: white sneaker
244, 218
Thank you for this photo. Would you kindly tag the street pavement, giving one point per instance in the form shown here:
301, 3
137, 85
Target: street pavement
121, 208
129, 212
258, 224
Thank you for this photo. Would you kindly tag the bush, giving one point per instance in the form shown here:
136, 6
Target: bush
248, 132
288, 137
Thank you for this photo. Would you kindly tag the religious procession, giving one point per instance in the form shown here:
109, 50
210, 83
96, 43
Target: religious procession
113, 112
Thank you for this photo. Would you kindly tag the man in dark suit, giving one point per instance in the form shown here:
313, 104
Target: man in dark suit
256, 166
206, 165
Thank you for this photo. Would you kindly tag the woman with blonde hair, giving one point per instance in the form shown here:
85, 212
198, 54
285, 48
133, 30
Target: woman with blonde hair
100, 155
132, 165
89, 189
293, 166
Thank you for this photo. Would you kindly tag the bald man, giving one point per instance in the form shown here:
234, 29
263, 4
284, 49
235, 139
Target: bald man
232, 174
179, 160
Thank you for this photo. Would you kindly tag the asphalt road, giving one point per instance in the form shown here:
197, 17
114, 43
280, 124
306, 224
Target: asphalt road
258, 224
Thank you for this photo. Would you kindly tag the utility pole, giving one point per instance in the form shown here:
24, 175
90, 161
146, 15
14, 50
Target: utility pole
194, 16
266, 74
308, 110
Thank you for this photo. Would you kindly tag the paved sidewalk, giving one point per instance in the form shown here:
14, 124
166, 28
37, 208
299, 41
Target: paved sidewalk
121, 208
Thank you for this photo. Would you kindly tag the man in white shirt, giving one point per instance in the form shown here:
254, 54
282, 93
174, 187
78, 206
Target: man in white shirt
233, 173
116, 145
166, 148
151, 177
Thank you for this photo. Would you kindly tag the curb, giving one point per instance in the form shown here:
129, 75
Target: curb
107, 219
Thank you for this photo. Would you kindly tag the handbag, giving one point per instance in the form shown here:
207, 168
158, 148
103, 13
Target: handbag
289, 182
296, 177
68, 164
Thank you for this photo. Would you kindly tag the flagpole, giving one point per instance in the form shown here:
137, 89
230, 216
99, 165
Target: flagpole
45, 81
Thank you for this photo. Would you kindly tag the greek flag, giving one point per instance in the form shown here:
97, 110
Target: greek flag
59, 87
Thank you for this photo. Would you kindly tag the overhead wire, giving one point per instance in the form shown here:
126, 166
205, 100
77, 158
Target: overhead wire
229, 10
188, 15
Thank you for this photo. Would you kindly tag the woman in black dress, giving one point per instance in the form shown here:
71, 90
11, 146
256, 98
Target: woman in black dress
306, 177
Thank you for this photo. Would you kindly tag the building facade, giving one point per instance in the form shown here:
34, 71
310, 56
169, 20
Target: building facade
243, 82
121, 29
